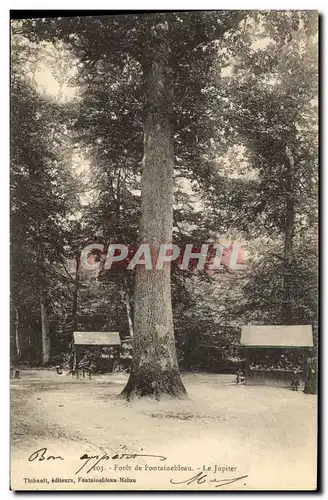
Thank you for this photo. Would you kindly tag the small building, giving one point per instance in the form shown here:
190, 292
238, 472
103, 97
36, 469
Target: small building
274, 352
102, 344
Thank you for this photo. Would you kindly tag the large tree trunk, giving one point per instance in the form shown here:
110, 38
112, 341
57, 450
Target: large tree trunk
289, 234
155, 368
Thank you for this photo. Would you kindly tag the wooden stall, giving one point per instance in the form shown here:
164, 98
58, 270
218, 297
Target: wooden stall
96, 341
274, 352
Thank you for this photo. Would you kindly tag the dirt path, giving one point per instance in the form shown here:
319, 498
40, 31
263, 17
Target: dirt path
268, 434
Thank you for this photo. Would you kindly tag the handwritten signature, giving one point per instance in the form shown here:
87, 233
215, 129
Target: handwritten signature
201, 478
94, 460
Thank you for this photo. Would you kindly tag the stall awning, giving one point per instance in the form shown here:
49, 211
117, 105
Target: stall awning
97, 338
277, 336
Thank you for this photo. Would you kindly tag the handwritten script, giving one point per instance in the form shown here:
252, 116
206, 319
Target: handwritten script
201, 478
90, 462
96, 459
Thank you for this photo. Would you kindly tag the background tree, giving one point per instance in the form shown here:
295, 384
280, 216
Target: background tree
42, 200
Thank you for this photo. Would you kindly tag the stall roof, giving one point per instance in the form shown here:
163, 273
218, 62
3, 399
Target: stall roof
97, 338
277, 336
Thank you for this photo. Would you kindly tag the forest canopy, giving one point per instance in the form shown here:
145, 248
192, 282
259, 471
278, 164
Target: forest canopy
186, 128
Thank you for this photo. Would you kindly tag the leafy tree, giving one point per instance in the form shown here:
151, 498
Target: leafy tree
42, 199
160, 45
278, 116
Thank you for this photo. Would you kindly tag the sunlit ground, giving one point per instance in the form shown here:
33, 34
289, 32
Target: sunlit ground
266, 433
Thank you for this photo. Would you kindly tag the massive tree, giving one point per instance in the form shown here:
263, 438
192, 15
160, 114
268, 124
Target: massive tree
155, 366
161, 44
154, 103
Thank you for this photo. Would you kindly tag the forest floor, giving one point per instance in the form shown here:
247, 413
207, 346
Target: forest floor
265, 433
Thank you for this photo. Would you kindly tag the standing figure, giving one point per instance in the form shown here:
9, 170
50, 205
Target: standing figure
295, 381
240, 376
310, 386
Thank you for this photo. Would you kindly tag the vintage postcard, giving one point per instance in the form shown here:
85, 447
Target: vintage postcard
164, 246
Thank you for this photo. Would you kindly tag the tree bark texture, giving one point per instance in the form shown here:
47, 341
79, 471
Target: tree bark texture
155, 367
